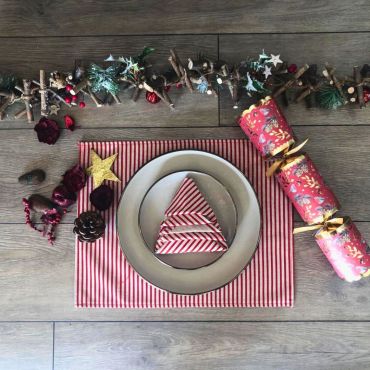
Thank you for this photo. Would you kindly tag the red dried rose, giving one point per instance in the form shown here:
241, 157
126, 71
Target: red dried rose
75, 178
63, 197
292, 68
102, 197
69, 123
47, 131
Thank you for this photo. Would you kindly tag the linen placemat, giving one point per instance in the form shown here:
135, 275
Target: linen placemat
105, 279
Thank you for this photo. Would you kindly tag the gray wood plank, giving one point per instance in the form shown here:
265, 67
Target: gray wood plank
340, 153
19, 18
341, 50
26, 346
212, 346
38, 284
60, 53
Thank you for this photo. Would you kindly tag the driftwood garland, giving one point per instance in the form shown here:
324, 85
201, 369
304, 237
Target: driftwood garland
251, 78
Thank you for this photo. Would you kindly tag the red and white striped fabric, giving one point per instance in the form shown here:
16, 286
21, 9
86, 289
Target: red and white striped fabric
104, 278
190, 225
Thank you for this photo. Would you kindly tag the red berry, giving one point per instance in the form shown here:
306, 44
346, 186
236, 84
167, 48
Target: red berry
69, 88
292, 68
152, 97
74, 98
68, 99
82, 104
179, 85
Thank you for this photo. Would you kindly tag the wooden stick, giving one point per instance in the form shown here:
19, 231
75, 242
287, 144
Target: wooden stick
27, 99
359, 88
116, 98
23, 112
81, 85
310, 89
290, 83
93, 97
43, 94
136, 93
331, 77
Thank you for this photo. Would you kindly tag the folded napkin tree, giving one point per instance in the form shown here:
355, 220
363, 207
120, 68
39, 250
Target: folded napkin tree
190, 224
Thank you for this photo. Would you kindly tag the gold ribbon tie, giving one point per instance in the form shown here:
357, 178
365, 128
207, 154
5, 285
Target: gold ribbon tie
286, 155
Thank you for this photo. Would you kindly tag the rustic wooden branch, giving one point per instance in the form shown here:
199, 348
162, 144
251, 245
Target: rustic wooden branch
93, 97
308, 90
80, 86
180, 70
359, 87
291, 82
329, 74
43, 94
26, 98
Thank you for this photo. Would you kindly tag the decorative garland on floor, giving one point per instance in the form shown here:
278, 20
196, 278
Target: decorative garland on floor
253, 79
263, 123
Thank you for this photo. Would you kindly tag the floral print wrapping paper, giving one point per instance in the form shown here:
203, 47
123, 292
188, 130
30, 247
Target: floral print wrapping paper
302, 183
267, 128
346, 250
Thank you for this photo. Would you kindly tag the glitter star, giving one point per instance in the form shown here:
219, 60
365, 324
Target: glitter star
275, 60
267, 72
100, 169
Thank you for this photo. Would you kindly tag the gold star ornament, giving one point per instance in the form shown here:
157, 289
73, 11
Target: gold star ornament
100, 169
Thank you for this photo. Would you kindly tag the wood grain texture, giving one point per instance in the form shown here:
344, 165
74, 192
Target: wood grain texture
26, 346
340, 154
60, 53
211, 346
37, 283
88, 17
341, 50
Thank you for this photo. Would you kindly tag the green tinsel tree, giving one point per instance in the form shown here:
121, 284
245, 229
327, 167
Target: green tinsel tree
104, 79
329, 97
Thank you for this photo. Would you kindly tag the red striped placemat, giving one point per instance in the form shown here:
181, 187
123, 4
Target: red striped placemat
105, 279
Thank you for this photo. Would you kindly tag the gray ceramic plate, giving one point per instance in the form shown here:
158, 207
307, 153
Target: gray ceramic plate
159, 198
206, 278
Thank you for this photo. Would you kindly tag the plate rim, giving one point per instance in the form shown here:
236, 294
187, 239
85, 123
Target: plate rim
232, 165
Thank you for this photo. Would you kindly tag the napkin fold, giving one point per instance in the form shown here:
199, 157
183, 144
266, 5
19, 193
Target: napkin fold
190, 225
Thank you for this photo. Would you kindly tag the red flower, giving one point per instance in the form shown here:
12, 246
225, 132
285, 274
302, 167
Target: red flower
47, 131
102, 197
69, 123
63, 197
74, 179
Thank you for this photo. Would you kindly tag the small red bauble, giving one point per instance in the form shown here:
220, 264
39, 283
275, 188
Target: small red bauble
292, 68
74, 98
366, 95
68, 99
152, 97
179, 85
82, 104
69, 88
69, 123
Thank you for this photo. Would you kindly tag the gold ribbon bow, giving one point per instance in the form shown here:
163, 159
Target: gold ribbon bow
327, 225
286, 155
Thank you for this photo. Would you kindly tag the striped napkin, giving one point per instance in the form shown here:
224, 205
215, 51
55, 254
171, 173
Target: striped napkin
190, 225
104, 278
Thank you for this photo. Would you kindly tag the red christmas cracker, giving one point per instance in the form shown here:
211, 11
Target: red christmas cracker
338, 238
267, 128
344, 247
305, 187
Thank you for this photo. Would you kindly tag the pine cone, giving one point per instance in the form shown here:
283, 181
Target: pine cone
89, 226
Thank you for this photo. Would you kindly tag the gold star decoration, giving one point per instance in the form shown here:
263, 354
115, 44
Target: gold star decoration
100, 169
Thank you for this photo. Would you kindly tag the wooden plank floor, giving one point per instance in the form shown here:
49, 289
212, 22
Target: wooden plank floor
39, 327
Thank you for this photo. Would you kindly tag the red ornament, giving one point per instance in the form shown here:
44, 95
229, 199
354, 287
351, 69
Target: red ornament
366, 95
68, 99
179, 85
69, 88
292, 68
82, 104
74, 98
69, 123
152, 97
